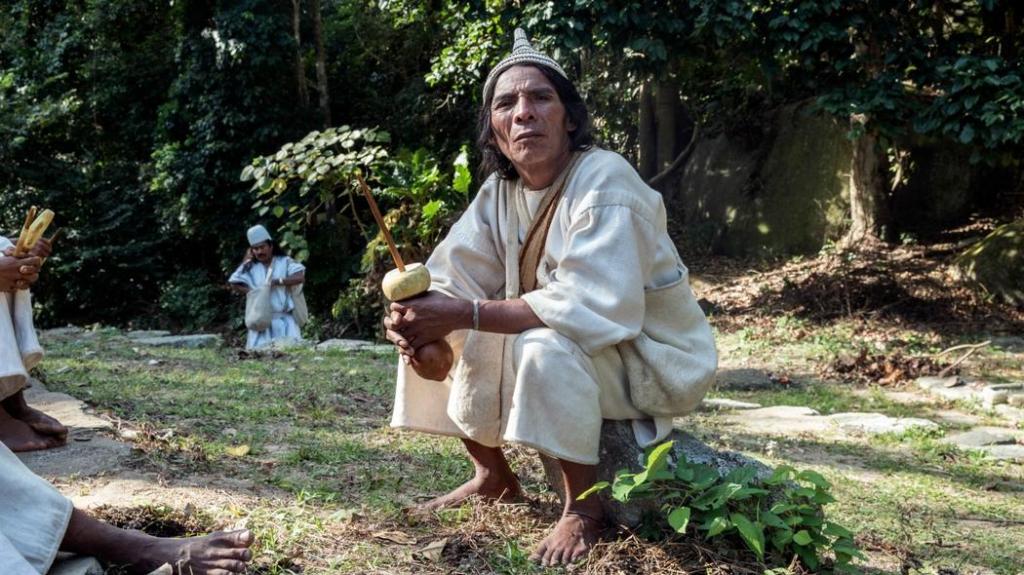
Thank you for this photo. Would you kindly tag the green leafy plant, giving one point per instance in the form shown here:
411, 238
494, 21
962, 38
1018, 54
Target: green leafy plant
775, 517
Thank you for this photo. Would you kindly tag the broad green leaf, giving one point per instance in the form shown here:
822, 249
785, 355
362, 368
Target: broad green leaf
684, 471
703, 477
717, 525
781, 474
462, 177
246, 173
814, 478
747, 492
741, 475
802, 537
773, 520
658, 458
278, 211
751, 532
600, 485
836, 530
432, 208
679, 518
781, 538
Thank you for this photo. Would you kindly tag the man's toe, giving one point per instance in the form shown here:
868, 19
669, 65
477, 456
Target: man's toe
230, 565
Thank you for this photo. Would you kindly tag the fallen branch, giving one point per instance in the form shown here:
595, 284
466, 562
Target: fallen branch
963, 346
970, 352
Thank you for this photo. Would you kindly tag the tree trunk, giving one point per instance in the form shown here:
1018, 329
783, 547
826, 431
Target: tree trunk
321, 64
667, 113
869, 200
300, 70
647, 161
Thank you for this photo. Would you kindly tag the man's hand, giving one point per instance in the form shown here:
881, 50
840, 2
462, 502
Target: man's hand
424, 319
18, 273
42, 249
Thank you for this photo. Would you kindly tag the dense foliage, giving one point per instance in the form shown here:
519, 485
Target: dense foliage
134, 119
777, 517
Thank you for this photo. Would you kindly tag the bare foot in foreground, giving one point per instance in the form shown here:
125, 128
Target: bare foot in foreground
487, 485
218, 553
19, 409
19, 437
571, 539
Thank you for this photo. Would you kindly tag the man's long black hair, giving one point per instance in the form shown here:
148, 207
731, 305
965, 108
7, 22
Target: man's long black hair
581, 138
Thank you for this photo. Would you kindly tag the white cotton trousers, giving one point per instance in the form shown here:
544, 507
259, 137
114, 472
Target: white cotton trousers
552, 396
19, 347
283, 328
33, 518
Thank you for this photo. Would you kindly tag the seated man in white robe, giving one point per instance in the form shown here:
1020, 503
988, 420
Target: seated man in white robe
551, 289
36, 522
262, 263
22, 428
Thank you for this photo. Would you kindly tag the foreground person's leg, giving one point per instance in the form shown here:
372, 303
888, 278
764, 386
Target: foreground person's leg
581, 522
19, 409
19, 437
219, 553
492, 478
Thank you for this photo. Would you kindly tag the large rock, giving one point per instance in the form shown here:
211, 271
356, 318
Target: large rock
996, 263
937, 191
620, 451
781, 191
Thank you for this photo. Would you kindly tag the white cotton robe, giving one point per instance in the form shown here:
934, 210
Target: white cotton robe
19, 347
33, 518
283, 327
550, 388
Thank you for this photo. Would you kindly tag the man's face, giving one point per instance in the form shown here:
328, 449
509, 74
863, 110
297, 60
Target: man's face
529, 121
261, 252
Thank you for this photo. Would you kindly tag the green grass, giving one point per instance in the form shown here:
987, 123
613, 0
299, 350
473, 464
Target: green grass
317, 428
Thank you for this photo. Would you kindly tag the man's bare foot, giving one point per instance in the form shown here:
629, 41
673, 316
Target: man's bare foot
19, 437
218, 553
487, 485
19, 409
570, 540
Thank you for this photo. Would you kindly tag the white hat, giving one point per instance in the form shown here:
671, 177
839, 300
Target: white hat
522, 53
257, 235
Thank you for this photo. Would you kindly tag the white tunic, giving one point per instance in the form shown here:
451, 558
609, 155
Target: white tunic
19, 347
283, 327
606, 246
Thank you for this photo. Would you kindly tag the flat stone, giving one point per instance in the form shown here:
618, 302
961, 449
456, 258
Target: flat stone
932, 382
188, 341
744, 378
991, 396
954, 417
1014, 414
146, 333
723, 403
62, 331
877, 423
1008, 343
979, 438
1016, 399
64, 408
98, 455
780, 420
344, 344
1013, 453
67, 564
955, 393
783, 411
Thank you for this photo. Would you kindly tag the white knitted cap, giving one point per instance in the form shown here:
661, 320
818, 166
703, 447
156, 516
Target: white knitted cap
522, 53
257, 235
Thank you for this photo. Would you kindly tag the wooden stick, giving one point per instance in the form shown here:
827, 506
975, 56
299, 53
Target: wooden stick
380, 222
950, 367
20, 248
964, 346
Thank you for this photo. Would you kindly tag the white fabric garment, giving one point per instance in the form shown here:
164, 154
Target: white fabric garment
607, 245
33, 518
19, 347
283, 326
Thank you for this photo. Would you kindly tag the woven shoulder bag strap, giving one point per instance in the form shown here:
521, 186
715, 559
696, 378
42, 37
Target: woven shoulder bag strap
537, 236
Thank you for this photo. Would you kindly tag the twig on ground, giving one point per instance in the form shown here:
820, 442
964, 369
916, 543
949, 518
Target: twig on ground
963, 346
945, 371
